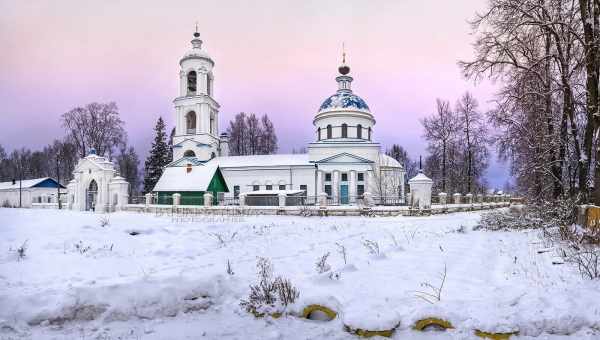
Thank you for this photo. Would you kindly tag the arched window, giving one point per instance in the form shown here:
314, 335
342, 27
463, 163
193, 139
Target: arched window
93, 186
190, 122
359, 131
344, 130
329, 132
319, 133
191, 82
189, 153
369, 135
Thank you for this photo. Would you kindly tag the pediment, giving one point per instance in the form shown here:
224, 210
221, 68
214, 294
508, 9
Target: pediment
344, 157
190, 142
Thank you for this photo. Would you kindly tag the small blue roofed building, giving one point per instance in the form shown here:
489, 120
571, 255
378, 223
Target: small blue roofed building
24, 193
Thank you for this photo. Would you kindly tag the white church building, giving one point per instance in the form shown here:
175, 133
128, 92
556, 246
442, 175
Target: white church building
344, 160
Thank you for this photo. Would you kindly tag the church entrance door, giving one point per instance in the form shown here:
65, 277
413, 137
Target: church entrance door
344, 194
91, 196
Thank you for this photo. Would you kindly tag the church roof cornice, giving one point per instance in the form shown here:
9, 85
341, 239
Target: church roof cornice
183, 99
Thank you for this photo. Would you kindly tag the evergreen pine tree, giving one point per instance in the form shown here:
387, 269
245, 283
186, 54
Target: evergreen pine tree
158, 157
170, 155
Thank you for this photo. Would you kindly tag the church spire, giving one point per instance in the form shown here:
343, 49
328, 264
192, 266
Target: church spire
344, 79
197, 42
344, 69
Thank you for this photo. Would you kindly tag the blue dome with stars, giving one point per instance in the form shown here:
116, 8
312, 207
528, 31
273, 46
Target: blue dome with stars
344, 100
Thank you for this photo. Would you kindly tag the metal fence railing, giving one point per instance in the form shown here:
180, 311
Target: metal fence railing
291, 200
301, 201
262, 201
137, 200
389, 200
228, 201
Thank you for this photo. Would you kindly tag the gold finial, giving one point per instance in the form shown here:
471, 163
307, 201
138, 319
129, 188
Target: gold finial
343, 52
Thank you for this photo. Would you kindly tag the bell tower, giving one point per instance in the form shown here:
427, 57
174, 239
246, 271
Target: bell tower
196, 110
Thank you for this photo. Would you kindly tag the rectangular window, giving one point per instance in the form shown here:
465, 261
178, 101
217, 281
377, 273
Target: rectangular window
344, 177
255, 187
303, 187
269, 187
328, 190
328, 177
281, 186
236, 191
360, 190
361, 176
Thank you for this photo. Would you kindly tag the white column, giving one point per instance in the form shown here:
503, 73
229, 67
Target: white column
335, 185
199, 120
208, 199
319, 182
369, 182
402, 191
182, 83
352, 189
202, 79
281, 200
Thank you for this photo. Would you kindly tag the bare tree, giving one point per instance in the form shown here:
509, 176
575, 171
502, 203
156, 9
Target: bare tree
129, 162
440, 133
473, 140
398, 153
250, 136
95, 125
269, 137
535, 48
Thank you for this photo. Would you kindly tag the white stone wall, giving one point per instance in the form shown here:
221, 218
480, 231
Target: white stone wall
291, 177
28, 196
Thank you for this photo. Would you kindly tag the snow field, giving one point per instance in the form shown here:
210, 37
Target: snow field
169, 281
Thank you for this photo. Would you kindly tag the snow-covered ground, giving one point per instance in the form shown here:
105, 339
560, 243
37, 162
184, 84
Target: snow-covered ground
81, 280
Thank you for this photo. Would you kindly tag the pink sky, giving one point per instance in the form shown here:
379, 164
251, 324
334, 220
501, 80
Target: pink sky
275, 57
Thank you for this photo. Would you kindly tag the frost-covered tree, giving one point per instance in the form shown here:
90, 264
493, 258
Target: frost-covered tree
170, 157
268, 142
398, 153
56, 160
158, 157
545, 114
96, 125
128, 163
473, 142
441, 135
249, 135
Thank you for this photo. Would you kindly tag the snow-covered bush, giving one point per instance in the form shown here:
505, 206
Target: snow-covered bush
587, 259
506, 220
321, 265
578, 246
229, 268
372, 247
222, 239
21, 251
536, 215
104, 221
81, 248
432, 294
343, 252
269, 296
